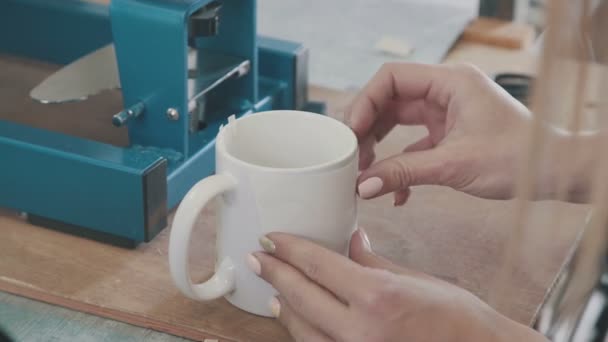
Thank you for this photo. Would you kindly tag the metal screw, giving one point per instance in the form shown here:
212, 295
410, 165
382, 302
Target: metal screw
134, 111
173, 114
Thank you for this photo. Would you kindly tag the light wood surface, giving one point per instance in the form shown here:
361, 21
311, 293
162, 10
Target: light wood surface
448, 234
500, 33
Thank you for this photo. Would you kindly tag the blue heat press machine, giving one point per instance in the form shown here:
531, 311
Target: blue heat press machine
184, 66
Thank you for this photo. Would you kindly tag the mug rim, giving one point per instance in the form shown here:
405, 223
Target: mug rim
337, 162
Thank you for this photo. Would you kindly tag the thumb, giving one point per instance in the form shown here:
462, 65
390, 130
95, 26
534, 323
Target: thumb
361, 253
402, 171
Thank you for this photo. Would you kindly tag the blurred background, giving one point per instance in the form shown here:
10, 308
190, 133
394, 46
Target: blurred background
354, 44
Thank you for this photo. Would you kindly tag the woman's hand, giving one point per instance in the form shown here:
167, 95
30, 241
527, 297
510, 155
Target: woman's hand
324, 296
477, 132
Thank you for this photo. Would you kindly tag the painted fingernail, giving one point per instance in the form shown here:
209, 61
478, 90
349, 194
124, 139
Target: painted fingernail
267, 244
365, 238
370, 187
254, 264
275, 307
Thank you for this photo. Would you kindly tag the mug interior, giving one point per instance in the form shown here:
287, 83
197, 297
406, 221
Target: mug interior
288, 140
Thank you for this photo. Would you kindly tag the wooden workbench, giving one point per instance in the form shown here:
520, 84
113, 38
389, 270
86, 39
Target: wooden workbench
445, 233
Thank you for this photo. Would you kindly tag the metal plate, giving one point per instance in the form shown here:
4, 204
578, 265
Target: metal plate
85, 77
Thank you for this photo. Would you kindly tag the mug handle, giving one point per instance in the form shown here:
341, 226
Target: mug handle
223, 281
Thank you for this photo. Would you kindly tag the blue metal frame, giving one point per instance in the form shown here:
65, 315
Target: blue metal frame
83, 178
126, 192
53, 31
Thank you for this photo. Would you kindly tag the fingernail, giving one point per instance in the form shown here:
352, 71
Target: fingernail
267, 244
370, 187
254, 264
401, 197
366, 243
275, 307
399, 201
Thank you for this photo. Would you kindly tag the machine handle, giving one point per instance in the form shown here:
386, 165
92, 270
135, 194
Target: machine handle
223, 281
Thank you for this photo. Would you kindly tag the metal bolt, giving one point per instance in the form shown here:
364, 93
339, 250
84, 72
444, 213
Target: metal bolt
121, 118
134, 111
173, 114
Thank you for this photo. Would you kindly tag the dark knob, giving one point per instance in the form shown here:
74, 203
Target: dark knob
205, 21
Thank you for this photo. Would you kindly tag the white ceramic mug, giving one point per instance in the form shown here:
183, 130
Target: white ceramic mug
286, 171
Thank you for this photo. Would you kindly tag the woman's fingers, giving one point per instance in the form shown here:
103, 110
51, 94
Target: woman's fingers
401, 197
402, 171
417, 112
307, 298
366, 152
383, 127
298, 327
394, 81
321, 265
425, 143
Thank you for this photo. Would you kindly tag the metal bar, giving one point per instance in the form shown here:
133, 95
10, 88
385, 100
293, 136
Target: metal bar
237, 71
